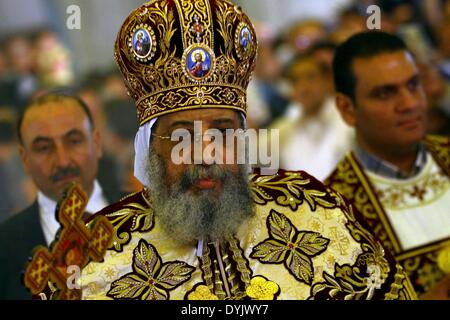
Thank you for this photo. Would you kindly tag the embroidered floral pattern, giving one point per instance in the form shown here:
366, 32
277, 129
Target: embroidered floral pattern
262, 289
150, 279
399, 197
290, 189
134, 216
291, 247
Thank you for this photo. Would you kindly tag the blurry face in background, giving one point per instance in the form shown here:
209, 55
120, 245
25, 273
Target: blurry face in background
53, 61
46, 41
309, 84
390, 107
196, 201
433, 82
349, 24
304, 35
59, 146
403, 13
325, 56
21, 55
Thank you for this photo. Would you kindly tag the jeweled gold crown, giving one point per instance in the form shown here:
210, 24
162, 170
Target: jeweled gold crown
186, 54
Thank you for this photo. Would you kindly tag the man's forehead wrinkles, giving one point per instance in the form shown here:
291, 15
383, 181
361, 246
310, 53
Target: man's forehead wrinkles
181, 123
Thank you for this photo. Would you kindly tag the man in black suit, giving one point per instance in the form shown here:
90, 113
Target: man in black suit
58, 144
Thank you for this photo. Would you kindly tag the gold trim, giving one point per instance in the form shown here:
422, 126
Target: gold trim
192, 85
206, 267
439, 148
189, 108
242, 263
401, 281
367, 277
427, 248
410, 289
372, 198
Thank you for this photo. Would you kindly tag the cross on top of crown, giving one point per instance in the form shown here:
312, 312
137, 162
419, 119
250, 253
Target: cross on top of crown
197, 28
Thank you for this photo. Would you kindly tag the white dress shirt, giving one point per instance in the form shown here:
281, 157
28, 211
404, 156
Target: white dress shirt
47, 209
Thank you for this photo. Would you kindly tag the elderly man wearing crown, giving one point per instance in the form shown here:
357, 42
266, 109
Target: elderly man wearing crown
210, 230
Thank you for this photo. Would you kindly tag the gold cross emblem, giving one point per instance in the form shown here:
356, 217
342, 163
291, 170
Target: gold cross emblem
75, 245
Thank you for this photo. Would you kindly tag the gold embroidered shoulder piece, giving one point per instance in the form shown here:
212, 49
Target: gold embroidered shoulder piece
133, 213
290, 189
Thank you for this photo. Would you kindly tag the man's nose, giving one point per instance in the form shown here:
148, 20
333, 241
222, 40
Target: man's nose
62, 156
210, 153
410, 100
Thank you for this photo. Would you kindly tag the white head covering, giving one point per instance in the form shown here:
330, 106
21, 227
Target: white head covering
141, 149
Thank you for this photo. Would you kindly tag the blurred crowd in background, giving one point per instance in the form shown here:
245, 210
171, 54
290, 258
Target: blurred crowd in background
292, 90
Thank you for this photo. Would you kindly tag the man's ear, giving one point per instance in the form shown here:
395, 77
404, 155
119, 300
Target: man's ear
346, 108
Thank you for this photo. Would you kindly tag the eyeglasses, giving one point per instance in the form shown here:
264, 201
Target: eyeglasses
198, 137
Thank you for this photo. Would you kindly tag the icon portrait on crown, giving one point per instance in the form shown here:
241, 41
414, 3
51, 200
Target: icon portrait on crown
244, 41
142, 43
198, 62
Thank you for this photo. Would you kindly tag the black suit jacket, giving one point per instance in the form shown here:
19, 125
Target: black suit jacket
19, 235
